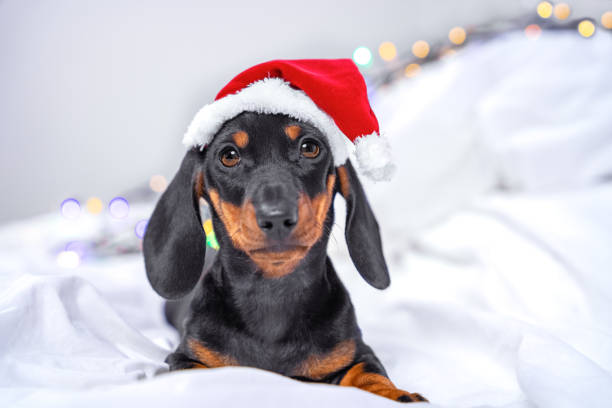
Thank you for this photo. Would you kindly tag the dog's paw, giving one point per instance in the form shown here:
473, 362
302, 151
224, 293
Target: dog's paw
411, 397
398, 395
179, 361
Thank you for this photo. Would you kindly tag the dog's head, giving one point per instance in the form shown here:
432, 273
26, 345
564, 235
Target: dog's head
270, 182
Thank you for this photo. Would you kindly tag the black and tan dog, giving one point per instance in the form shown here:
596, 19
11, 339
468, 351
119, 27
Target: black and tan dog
271, 299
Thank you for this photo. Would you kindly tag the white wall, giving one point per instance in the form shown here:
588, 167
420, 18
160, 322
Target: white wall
95, 96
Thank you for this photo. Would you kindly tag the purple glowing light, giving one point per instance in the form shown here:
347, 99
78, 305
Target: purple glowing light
70, 208
141, 228
118, 207
78, 247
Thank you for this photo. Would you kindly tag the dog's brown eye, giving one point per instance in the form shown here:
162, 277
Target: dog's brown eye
310, 149
229, 157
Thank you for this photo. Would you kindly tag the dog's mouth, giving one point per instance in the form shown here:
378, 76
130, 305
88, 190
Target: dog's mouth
278, 255
277, 248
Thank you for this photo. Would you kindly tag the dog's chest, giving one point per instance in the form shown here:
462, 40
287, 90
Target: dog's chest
281, 342
291, 333
295, 359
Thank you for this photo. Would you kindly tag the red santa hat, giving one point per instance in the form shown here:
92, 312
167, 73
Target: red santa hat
327, 93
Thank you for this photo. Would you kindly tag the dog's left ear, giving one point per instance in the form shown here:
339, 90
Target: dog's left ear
361, 230
174, 244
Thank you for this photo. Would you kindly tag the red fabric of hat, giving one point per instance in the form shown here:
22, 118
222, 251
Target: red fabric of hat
335, 86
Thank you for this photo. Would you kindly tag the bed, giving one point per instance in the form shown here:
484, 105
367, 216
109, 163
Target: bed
497, 229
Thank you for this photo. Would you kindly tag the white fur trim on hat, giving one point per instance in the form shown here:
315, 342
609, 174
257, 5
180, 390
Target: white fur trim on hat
373, 155
274, 95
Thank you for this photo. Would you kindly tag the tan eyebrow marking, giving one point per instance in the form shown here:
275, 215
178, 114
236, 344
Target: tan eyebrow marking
241, 138
293, 131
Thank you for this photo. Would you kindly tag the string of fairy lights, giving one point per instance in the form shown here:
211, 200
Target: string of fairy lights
118, 212
547, 16
117, 209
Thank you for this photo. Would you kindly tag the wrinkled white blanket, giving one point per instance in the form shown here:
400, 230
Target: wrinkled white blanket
504, 304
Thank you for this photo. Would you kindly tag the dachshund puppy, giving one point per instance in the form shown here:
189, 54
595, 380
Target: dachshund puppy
271, 299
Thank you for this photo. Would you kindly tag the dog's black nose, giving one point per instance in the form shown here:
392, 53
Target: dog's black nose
277, 222
276, 211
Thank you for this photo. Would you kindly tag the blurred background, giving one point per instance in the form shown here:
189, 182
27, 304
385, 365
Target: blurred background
95, 96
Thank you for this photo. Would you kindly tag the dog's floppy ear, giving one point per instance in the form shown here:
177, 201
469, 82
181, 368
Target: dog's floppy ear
361, 231
174, 242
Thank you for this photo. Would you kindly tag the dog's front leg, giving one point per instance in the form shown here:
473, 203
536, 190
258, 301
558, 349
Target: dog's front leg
368, 374
192, 353
180, 361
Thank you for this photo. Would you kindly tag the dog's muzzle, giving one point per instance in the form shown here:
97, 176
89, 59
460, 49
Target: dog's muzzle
276, 210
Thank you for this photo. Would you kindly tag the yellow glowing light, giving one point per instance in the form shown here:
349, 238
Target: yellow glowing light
533, 31
457, 35
412, 70
562, 11
158, 183
420, 49
387, 51
208, 226
94, 205
449, 52
545, 9
606, 20
586, 28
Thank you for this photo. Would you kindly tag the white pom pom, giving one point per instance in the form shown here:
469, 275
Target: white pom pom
373, 155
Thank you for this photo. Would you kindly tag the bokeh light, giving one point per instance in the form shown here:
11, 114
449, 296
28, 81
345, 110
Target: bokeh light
362, 56
118, 207
211, 239
545, 9
412, 70
457, 35
158, 183
586, 28
141, 228
533, 31
447, 52
78, 247
562, 11
94, 205
606, 20
387, 51
70, 208
68, 259
420, 49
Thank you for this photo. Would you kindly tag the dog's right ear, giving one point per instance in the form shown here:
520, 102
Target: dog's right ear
174, 244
